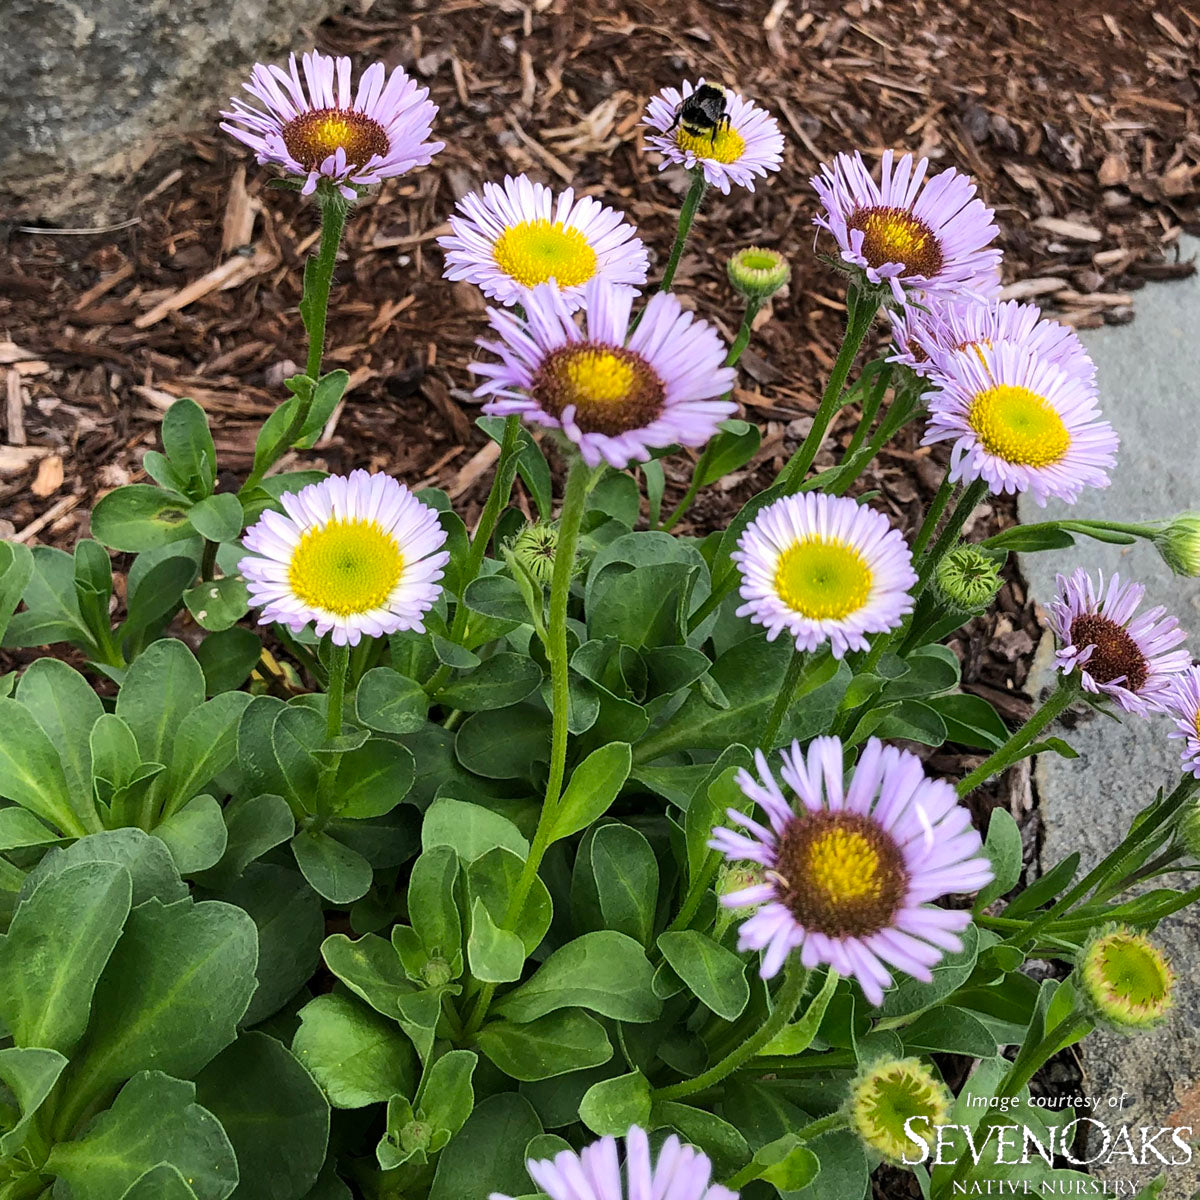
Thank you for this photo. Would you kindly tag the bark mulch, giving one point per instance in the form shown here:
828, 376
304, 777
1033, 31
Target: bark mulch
1080, 126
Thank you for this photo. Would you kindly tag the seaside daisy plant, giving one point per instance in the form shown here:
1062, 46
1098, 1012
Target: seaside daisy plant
362, 839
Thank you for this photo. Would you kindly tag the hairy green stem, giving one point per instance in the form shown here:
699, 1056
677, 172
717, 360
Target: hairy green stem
339, 662
687, 214
784, 700
967, 503
934, 515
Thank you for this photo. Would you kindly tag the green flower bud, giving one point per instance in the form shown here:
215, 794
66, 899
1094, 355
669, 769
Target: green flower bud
416, 1135
1179, 544
890, 1092
437, 972
967, 579
534, 549
733, 878
758, 273
1125, 979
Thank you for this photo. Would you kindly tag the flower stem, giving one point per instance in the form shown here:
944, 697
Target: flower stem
687, 214
798, 672
1059, 701
753, 304
934, 515
967, 503
787, 1000
580, 479
814, 1129
315, 304
860, 313
339, 661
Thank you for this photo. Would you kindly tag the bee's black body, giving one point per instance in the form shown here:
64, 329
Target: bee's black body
703, 112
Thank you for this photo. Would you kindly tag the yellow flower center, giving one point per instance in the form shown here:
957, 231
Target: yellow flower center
725, 147
840, 873
895, 235
822, 578
613, 390
313, 136
1018, 426
345, 567
536, 251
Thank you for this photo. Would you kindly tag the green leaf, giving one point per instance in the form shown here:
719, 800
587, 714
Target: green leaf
372, 779
194, 966
495, 955
716, 975
604, 971
493, 878
732, 448
431, 903
64, 704
53, 610
531, 463
154, 1119
787, 1164
446, 1096
611, 1106
504, 743
1006, 854
196, 835
562, 1041
296, 733
147, 860
326, 395
799, 1035
141, 517
390, 702
335, 871
204, 744
594, 785
227, 658
31, 772
188, 445
164, 684
970, 721
273, 1113
626, 878
28, 1075
910, 720
272, 438
218, 518
19, 829
16, 568
371, 968
357, 1055
254, 827
497, 682
498, 597
910, 995
163, 1182
57, 946
720, 1140
470, 829
154, 594
218, 604
949, 1030
452, 654
488, 1153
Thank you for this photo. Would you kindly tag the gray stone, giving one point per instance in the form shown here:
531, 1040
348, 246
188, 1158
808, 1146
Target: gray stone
91, 87
1147, 375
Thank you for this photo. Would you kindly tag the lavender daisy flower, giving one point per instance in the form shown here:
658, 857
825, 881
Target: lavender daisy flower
353, 556
850, 876
1020, 421
352, 138
617, 395
826, 569
924, 337
517, 235
1183, 704
749, 144
1130, 659
930, 239
594, 1173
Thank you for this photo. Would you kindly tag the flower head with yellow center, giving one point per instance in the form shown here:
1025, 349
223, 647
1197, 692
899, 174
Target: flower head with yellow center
890, 1092
742, 148
826, 569
319, 127
916, 236
1019, 420
850, 870
1128, 656
514, 236
1126, 979
1182, 703
351, 556
616, 394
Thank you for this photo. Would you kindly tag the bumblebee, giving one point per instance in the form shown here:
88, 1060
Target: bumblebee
703, 112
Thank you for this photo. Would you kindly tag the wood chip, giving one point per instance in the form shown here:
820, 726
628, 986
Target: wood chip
15, 460
237, 227
231, 273
479, 462
14, 408
1027, 289
1075, 230
49, 476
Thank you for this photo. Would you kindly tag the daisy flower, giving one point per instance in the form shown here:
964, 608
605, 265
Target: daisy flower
826, 569
1183, 703
850, 875
1129, 658
1020, 421
517, 235
617, 395
353, 556
320, 128
748, 145
929, 239
594, 1173
923, 337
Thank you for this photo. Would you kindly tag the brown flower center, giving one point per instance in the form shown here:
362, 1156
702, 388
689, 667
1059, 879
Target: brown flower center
894, 235
613, 389
313, 136
1117, 655
841, 874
